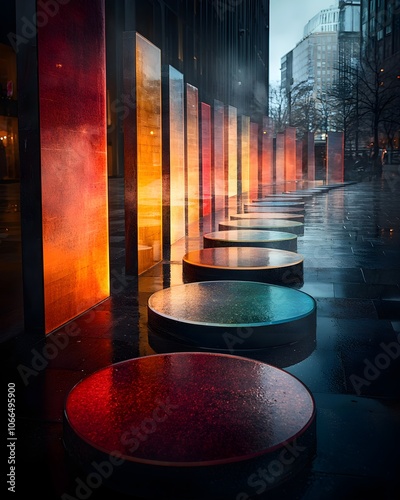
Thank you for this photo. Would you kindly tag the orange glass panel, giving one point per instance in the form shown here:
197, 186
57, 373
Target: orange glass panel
72, 100
206, 158
192, 154
299, 159
218, 152
149, 142
267, 155
290, 154
245, 153
280, 159
177, 154
254, 161
231, 156
310, 156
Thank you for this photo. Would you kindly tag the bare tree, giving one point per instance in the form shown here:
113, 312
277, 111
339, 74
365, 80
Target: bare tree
378, 93
278, 107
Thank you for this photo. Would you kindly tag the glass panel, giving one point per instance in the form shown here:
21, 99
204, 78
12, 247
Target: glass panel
192, 148
206, 157
254, 161
72, 99
177, 154
231, 154
245, 154
149, 172
218, 155
335, 157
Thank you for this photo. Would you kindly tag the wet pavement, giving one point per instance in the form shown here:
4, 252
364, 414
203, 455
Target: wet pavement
351, 250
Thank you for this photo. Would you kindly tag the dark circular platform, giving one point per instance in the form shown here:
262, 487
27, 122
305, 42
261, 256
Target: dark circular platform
268, 215
287, 203
257, 208
189, 425
251, 238
267, 265
287, 226
278, 199
210, 313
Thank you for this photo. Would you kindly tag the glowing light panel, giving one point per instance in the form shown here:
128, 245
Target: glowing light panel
290, 154
176, 154
206, 158
72, 100
254, 161
280, 159
231, 152
218, 154
267, 155
148, 136
244, 153
192, 154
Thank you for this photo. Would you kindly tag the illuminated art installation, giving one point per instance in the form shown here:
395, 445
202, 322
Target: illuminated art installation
72, 110
231, 155
192, 154
142, 152
206, 158
244, 155
174, 153
267, 156
280, 160
290, 154
218, 155
254, 167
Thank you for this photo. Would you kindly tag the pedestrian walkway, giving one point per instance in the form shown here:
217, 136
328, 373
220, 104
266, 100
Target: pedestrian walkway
351, 251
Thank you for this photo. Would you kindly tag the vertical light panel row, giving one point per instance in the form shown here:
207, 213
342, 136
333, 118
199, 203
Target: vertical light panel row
74, 192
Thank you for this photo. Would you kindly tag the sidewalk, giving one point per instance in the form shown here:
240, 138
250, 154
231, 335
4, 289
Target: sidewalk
351, 247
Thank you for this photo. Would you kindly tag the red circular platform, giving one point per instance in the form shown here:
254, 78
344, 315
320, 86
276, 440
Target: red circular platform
177, 419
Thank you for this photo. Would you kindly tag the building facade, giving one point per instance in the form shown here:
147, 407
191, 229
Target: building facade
330, 35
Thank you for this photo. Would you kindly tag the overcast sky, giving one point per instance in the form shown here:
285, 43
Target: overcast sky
287, 21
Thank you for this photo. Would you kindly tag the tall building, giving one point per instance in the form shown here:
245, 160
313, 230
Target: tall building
315, 59
381, 23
